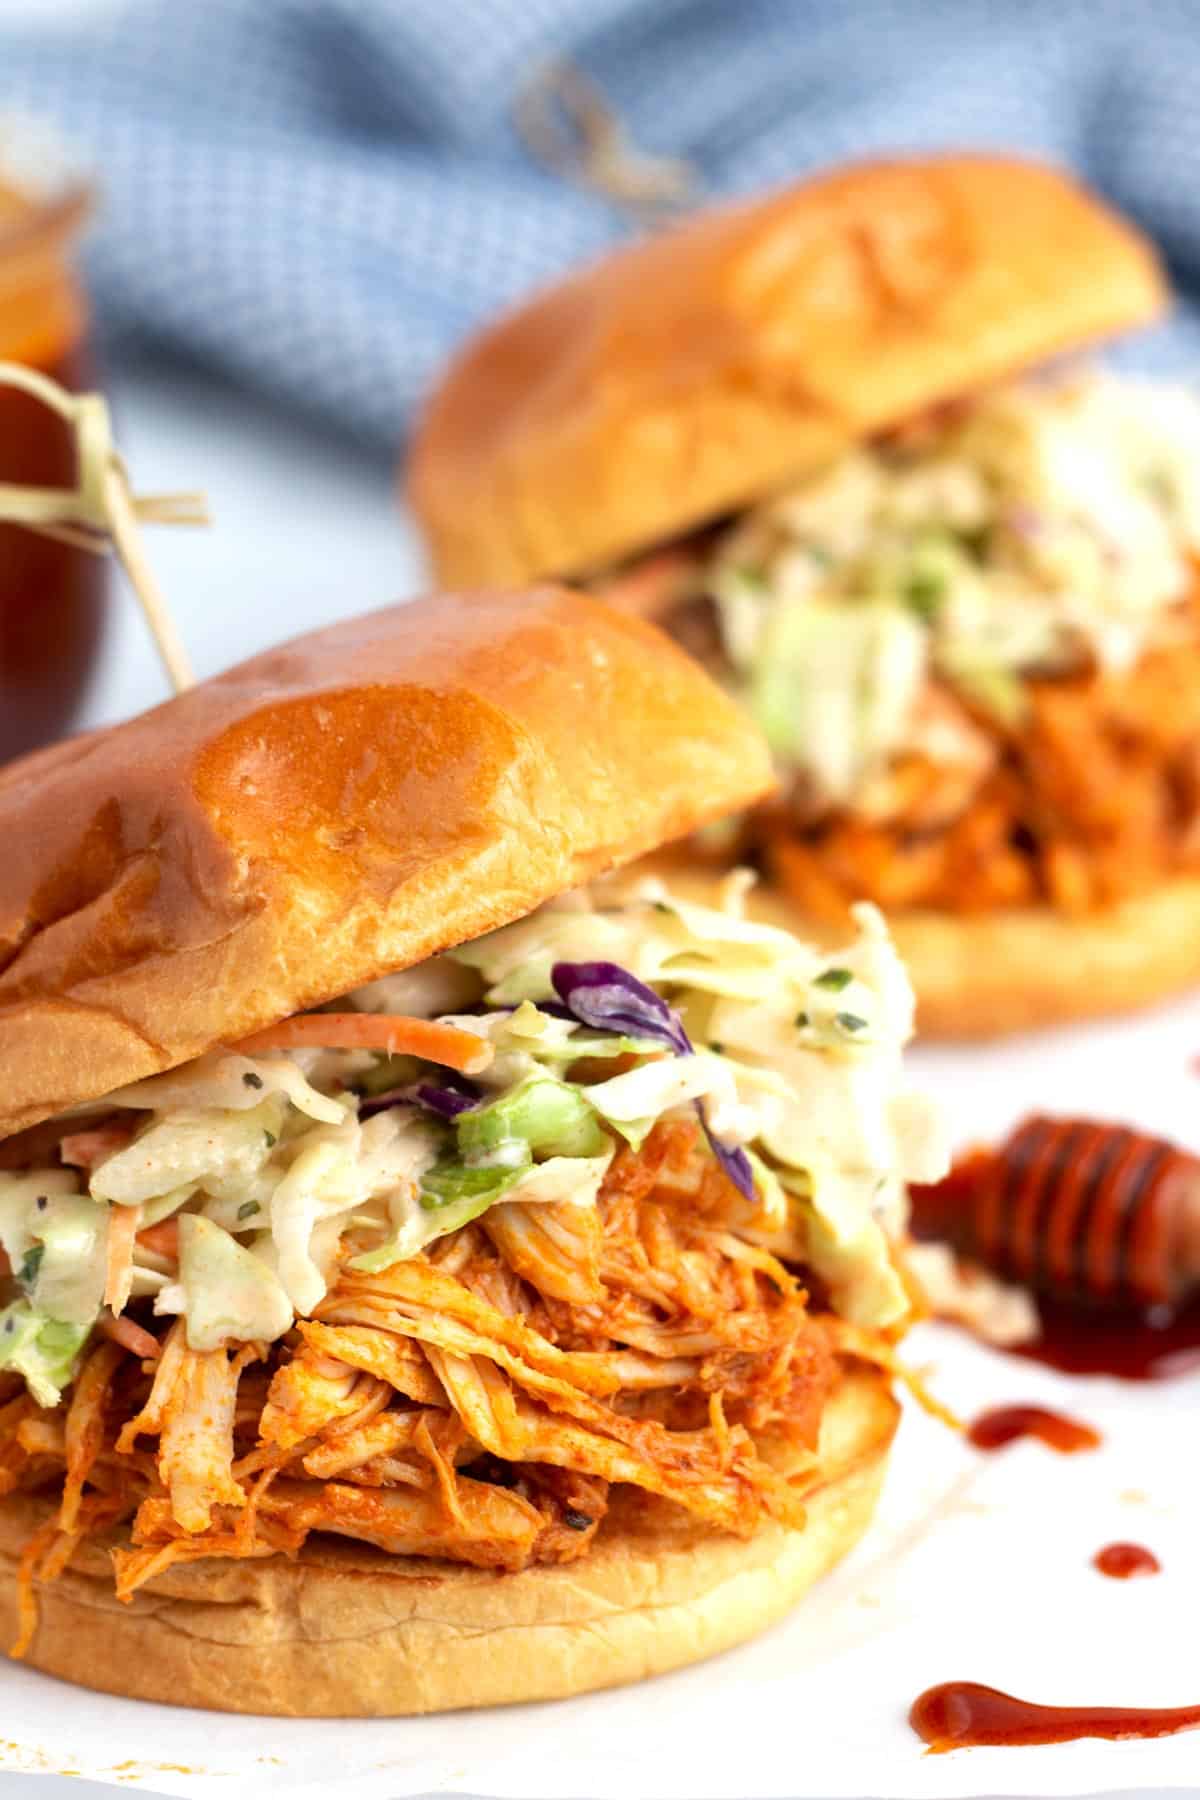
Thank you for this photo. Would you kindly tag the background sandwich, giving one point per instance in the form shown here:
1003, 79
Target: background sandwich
415, 1257
963, 612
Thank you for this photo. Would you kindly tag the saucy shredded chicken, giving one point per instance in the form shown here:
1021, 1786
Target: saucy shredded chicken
1095, 799
475, 1402
973, 644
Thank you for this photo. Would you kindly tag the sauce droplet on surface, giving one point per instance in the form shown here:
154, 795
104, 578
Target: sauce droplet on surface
1005, 1424
1122, 1561
957, 1714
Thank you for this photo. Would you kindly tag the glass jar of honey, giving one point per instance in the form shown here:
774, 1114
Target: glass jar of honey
51, 593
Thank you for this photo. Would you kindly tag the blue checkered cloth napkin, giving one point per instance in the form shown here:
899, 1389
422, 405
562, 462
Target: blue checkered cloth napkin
323, 197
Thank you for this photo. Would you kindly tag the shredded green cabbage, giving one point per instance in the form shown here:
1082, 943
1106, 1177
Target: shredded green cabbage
550, 1117
44, 1350
68, 1281
228, 1292
268, 1165
1044, 525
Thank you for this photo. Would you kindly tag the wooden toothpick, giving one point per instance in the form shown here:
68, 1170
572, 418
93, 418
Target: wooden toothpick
570, 127
101, 511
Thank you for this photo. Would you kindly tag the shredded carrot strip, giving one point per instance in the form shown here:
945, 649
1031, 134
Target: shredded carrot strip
914, 1380
122, 1235
162, 1238
131, 1337
460, 1050
84, 1149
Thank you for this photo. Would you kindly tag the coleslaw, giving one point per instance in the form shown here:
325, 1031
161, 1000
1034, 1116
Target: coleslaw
254, 1176
1039, 529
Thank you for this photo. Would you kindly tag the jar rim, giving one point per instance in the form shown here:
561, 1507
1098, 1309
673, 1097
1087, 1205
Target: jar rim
45, 222
40, 171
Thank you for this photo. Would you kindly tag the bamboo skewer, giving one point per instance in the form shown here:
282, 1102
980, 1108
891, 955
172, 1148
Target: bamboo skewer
127, 538
570, 127
101, 512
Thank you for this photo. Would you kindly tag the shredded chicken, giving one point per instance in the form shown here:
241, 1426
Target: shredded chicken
1095, 798
474, 1403
195, 1457
84, 1149
83, 1432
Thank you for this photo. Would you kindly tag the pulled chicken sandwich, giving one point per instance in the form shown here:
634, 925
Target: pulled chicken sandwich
479, 1246
959, 599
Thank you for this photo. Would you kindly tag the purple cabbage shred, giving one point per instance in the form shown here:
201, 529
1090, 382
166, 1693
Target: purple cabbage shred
442, 1099
607, 997
733, 1160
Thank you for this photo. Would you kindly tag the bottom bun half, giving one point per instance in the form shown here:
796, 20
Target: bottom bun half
345, 1631
978, 975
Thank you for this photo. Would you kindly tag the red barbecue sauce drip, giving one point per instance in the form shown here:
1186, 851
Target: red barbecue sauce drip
1005, 1424
957, 1714
1133, 1347
1123, 1561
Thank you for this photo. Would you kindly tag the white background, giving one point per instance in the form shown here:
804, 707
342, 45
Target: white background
306, 531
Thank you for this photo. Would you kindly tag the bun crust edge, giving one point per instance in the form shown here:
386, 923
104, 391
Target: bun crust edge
347, 1632
684, 377
330, 811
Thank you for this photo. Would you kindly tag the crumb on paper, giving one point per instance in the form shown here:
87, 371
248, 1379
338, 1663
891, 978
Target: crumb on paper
30, 1759
27, 1758
1134, 1497
134, 1769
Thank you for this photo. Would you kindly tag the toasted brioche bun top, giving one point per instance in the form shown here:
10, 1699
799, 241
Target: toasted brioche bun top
330, 811
691, 374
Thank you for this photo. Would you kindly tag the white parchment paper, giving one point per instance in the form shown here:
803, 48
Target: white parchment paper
977, 1568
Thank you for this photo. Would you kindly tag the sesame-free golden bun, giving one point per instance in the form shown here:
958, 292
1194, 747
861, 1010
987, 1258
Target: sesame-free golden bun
689, 375
344, 1630
329, 811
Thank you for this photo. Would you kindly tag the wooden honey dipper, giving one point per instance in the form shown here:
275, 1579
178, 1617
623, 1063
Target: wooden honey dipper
1085, 1213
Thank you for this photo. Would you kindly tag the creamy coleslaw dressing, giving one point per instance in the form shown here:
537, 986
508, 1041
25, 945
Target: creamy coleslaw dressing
276, 1166
1041, 527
